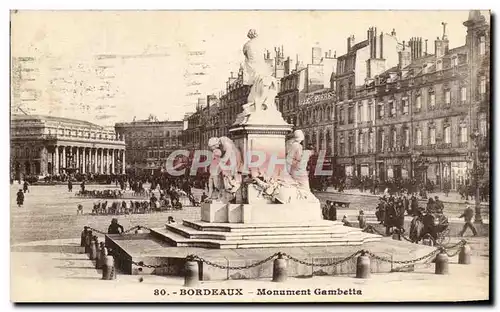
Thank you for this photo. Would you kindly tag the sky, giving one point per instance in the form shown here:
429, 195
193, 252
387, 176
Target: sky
159, 81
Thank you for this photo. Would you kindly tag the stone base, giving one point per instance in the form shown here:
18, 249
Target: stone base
152, 251
261, 213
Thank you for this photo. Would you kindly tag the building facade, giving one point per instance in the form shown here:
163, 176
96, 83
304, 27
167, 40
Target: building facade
150, 142
43, 145
415, 119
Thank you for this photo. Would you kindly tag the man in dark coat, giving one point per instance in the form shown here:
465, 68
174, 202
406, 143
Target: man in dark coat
468, 215
438, 204
70, 186
115, 227
414, 205
20, 198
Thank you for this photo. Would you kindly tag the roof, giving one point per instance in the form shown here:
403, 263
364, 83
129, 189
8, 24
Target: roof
55, 119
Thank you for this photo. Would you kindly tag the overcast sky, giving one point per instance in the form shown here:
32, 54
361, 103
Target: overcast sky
159, 85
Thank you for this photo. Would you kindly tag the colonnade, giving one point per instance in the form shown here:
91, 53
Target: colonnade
87, 159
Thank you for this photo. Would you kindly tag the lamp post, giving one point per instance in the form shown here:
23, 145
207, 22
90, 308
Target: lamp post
478, 171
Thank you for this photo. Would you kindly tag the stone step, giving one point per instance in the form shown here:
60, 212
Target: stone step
335, 231
253, 227
354, 237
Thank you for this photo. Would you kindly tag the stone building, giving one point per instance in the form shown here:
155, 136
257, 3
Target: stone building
149, 142
307, 102
415, 119
43, 145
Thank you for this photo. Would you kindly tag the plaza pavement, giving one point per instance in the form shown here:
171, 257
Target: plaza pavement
45, 265
63, 275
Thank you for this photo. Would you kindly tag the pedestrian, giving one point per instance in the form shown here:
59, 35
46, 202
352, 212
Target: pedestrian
332, 212
25, 187
326, 209
439, 204
171, 220
70, 186
203, 197
468, 215
82, 186
115, 227
345, 222
362, 219
20, 198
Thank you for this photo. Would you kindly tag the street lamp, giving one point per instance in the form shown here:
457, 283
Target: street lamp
478, 172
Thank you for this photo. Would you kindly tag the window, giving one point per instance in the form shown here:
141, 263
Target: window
381, 111
364, 116
418, 102
351, 145
394, 138
419, 137
454, 61
341, 116
482, 45
432, 99
381, 140
447, 134
360, 113
483, 126
361, 142
463, 134
439, 65
342, 146
447, 97
463, 94
482, 85
369, 112
350, 112
404, 104
150, 134
392, 106
150, 154
432, 136
370, 141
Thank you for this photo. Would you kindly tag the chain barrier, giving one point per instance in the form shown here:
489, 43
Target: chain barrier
324, 264
122, 233
335, 263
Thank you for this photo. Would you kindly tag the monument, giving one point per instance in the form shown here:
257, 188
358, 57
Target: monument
258, 178
259, 203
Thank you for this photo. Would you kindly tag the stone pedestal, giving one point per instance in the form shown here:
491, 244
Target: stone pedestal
254, 137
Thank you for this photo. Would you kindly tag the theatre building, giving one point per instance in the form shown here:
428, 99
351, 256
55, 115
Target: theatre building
43, 145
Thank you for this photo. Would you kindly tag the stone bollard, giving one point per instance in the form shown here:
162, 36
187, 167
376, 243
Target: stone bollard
88, 240
363, 265
441, 263
464, 254
108, 270
84, 235
280, 273
103, 253
191, 274
93, 250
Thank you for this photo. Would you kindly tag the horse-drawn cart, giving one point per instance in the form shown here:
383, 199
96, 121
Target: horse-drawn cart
432, 225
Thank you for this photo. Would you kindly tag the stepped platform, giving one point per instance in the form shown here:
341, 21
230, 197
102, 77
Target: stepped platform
153, 249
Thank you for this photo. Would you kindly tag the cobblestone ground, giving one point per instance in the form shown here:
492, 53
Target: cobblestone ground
49, 212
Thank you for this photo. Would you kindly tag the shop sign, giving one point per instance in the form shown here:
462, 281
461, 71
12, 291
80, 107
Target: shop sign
313, 98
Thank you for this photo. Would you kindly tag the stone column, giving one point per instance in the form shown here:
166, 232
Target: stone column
56, 160
78, 159
84, 159
64, 157
101, 159
113, 154
123, 161
95, 161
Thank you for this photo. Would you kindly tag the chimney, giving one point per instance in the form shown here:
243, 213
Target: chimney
445, 37
316, 55
382, 45
420, 47
349, 44
426, 46
438, 48
404, 57
393, 32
